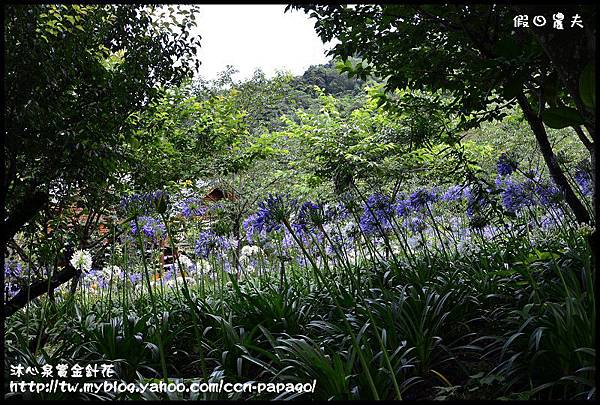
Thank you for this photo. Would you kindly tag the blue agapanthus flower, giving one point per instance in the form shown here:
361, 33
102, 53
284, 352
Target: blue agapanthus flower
95, 276
336, 212
476, 201
415, 224
152, 228
584, 181
271, 214
421, 197
311, 214
338, 244
552, 220
192, 207
377, 214
305, 235
516, 196
506, 165
208, 242
144, 203
548, 194
13, 269
403, 208
454, 193
252, 230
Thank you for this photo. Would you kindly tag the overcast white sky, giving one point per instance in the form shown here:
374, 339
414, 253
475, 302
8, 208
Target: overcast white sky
256, 36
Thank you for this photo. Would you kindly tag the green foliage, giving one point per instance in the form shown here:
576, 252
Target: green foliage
74, 76
331, 80
467, 55
181, 137
465, 52
510, 320
368, 143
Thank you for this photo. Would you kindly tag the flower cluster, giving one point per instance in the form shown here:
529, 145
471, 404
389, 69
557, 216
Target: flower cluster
251, 251
336, 212
331, 231
249, 257
13, 272
548, 194
516, 196
145, 203
192, 207
252, 230
377, 214
506, 165
13, 269
477, 200
96, 279
415, 224
186, 262
403, 207
533, 190
454, 193
270, 215
420, 198
135, 278
208, 242
152, 228
311, 214
584, 181
81, 260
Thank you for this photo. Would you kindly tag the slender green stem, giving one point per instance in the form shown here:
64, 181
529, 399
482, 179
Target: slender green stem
161, 348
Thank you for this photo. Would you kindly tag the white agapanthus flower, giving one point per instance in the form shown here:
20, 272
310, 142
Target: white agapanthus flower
251, 251
396, 247
172, 283
250, 269
185, 261
82, 260
110, 271
247, 253
203, 267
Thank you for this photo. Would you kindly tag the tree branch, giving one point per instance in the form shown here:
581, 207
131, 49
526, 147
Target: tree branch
22, 213
583, 138
535, 122
39, 288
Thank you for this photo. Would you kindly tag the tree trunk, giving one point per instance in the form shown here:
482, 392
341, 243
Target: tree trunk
570, 51
535, 122
22, 213
38, 288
